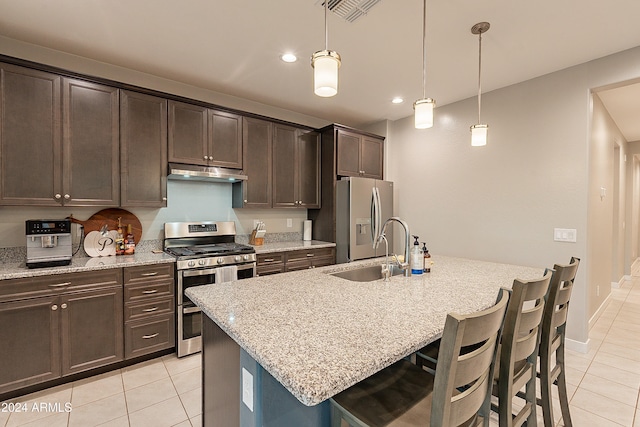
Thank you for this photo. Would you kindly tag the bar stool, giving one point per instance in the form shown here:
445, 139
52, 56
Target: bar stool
516, 364
459, 394
554, 325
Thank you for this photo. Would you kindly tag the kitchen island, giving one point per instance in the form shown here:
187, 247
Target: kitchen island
310, 334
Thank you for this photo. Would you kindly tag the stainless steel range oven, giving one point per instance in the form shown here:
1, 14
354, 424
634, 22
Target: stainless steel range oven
206, 253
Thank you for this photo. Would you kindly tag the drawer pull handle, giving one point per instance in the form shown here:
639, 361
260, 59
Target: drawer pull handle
60, 285
148, 337
309, 255
153, 273
269, 260
54, 307
149, 310
64, 305
150, 291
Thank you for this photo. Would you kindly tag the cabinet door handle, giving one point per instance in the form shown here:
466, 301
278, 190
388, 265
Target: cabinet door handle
149, 310
60, 285
150, 291
63, 305
58, 196
54, 307
148, 337
67, 197
153, 273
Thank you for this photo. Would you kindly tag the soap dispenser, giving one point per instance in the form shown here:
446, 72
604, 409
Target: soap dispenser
427, 258
417, 262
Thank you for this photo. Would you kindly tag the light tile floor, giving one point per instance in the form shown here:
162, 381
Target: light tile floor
604, 384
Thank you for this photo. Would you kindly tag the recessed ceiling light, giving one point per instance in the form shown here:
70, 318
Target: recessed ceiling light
397, 100
289, 57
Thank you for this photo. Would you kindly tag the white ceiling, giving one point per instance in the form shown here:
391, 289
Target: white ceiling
233, 46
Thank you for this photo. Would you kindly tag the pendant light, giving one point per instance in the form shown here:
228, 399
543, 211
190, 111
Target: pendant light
325, 65
424, 107
479, 131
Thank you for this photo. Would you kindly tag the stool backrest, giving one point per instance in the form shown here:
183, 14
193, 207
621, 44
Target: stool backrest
464, 371
557, 306
522, 323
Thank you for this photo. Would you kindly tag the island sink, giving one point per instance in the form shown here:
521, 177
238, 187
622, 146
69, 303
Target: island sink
366, 274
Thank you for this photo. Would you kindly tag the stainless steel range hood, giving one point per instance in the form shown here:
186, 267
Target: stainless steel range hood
204, 173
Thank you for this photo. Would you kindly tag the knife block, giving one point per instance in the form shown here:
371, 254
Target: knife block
256, 241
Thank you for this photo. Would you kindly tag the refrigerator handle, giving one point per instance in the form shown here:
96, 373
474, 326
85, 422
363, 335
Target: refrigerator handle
375, 216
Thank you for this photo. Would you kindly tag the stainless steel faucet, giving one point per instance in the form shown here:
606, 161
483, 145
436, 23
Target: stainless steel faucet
404, 266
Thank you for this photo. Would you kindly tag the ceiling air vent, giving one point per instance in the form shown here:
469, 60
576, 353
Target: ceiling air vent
350, 10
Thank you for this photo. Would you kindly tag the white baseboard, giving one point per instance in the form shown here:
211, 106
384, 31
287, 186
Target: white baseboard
635, 263
599, 311
577, 346
619, 283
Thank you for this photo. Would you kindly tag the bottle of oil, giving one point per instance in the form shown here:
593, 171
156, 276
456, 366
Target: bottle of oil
119, 239
129, 242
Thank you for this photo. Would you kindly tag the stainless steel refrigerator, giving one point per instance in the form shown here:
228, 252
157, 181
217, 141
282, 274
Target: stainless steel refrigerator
362, 206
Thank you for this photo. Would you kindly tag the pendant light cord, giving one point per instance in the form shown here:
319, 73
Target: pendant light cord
479, 74
326, 26
424, 50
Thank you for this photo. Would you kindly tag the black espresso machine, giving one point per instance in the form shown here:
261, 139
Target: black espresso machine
48, 242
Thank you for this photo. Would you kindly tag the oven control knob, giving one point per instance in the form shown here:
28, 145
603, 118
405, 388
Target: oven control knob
191, 263
237, 258
201, 262
220, 261
246, 257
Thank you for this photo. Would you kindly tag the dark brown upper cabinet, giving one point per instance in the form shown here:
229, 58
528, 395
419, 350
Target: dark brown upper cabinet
91, 144
143, 150
359, 154
30, 137
257, 141
60, 140
296, 168
202, 136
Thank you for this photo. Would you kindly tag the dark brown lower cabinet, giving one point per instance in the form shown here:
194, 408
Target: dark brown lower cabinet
58, 325
279, 262
30, 337
149, 323
91, 329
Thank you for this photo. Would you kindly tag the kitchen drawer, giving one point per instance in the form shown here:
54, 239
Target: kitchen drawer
145, 273
309, 254
269, 259
298, 265
154, 289
266, 270
323, 261
146, 308
31, 287
149, 335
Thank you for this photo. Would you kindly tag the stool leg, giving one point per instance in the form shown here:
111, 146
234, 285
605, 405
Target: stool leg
545, 390
562, 389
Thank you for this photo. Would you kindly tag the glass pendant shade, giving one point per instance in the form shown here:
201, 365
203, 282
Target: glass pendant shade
479, 135
325, 65
424, 113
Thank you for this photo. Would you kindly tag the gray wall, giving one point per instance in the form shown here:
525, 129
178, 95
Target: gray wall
538, 172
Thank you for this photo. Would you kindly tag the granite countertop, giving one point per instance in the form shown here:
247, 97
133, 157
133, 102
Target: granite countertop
292, 246
319, 334
15, 270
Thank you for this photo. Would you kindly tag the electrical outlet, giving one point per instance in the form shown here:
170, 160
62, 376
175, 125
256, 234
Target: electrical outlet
289, 223
565, 234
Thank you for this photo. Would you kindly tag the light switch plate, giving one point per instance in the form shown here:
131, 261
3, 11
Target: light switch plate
565, 234
247, 389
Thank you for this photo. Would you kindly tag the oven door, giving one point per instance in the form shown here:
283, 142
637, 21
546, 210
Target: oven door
189, 315
207, 276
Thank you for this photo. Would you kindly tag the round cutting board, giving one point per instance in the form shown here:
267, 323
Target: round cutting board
110, 217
